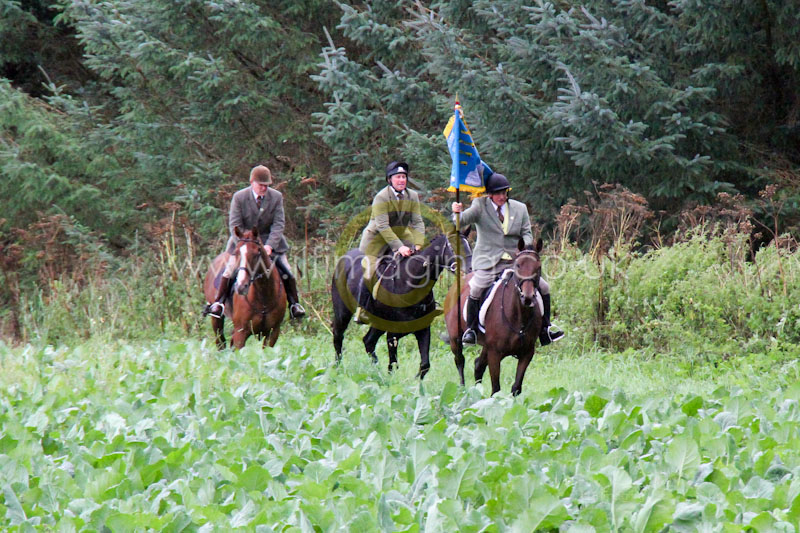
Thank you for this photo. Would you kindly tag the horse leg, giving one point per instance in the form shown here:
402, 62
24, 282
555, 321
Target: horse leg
239, 337
424, 343
458, 357
480, 364
370, 341
522, 366
392, 341
218, 325
341, 319
338, 340
494, 370
273, 335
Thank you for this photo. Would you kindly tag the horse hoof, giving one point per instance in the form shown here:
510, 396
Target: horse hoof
422, 371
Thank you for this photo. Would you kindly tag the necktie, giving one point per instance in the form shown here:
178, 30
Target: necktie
500, 214
400, 196
258, 201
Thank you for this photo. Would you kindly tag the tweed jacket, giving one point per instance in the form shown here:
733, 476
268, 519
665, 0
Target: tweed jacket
269, 220
492, 242
392, 223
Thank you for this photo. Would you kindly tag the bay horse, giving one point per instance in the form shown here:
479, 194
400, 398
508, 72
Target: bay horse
512, 323
405, 301
259, 300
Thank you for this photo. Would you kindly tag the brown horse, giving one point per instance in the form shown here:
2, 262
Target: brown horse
259, 301
513, 320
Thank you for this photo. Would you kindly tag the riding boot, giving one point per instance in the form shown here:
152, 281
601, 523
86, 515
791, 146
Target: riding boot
217, 308
548, 333
471, 335
362, 297
295, 309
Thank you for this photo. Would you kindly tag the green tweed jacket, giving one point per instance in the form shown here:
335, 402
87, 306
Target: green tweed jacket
392, 223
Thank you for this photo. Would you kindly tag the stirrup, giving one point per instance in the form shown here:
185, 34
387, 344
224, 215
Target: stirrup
210, 307
469, 337
297, 311
554, 334
359, 317
547, 336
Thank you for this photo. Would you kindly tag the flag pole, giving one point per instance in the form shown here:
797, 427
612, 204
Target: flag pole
458, 261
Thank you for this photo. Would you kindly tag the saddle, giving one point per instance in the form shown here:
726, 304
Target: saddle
386, 269
488, 294
231, 287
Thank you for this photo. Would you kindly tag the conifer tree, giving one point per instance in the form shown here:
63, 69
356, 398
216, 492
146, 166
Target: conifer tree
562, 94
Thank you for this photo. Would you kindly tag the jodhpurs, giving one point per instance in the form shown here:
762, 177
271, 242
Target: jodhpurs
481, 279
279, 260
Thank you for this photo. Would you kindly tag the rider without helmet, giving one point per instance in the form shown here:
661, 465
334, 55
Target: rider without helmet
500, 223
260, 206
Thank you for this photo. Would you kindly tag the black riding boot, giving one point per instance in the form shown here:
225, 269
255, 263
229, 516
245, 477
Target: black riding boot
295, 309
217, 308
548, 334
473, 308
362, 298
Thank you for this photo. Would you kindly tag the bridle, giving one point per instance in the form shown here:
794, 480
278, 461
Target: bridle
263, 273
520, 281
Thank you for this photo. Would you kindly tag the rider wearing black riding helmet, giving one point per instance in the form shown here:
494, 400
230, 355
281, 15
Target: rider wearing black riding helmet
395, 227
500, 223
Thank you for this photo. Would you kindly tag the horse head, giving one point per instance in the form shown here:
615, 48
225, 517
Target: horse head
442, 255
527, 271
254, 263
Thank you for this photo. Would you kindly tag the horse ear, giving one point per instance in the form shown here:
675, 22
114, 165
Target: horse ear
237, 231
465, 231
520, 244
255, 232
539, 245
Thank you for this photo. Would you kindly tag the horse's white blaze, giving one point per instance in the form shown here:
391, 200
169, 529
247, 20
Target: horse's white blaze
242, 265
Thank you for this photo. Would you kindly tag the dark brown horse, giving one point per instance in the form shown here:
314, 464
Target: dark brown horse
513, 320
259, 301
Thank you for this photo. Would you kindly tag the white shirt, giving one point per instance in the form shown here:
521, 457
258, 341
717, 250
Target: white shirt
503, 209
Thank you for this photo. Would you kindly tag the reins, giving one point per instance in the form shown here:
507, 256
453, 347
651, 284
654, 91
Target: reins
253, 279
518, 284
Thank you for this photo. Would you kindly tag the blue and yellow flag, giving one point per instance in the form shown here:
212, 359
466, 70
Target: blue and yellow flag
468, 171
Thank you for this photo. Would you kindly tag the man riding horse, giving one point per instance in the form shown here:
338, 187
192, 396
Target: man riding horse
395, 226
500, 223
259, 206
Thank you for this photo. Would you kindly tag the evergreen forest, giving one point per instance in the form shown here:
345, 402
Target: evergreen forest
122, 121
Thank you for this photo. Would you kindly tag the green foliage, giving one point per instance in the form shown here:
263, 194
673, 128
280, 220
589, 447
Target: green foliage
46, 162
367, 122
201, 91
558, 95
698, 297
14, 23
173, 435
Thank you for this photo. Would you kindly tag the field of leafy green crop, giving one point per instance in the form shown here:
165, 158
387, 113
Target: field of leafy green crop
174, 436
